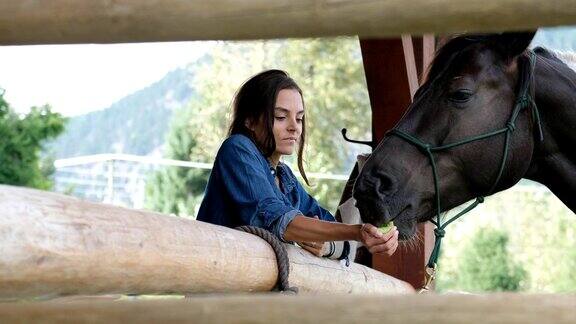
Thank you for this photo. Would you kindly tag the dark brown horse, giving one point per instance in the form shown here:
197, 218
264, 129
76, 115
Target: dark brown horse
477, 85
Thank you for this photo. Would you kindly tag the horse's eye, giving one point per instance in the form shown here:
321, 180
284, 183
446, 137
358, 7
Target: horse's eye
460, 96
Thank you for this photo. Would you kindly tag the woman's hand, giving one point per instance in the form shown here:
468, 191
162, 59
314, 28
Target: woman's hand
313, 247
378, 243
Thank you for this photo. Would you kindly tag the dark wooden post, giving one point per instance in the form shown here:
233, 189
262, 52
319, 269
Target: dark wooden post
392, 67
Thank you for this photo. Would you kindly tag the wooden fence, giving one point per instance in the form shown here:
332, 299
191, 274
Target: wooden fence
105, 21
54, 245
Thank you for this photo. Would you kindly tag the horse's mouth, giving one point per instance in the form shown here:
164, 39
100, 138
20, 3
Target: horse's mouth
406, 229
373, 212
379, 214
426, 213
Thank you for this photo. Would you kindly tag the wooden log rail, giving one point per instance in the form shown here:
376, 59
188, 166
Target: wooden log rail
457, 309
105, 21
53, 245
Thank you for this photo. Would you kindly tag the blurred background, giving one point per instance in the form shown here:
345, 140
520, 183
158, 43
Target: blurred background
138, 125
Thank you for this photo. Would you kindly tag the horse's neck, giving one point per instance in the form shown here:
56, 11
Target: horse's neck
554, 159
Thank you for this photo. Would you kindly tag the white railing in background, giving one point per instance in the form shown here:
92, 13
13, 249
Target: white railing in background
120, 179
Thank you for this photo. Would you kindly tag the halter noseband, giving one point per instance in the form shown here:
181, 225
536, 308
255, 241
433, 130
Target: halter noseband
523, 100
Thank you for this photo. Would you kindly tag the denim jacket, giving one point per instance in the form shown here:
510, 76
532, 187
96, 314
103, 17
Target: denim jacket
242, 191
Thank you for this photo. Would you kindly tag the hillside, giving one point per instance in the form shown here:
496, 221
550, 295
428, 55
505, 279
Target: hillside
137, 124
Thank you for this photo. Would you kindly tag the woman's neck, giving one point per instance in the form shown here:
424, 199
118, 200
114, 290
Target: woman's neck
274, 159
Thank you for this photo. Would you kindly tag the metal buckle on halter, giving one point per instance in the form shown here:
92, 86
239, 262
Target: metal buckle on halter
430, 276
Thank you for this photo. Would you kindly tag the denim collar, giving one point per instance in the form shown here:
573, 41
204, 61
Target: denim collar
288, 181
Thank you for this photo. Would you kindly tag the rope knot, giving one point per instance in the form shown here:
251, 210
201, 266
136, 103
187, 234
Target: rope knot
439, 232
510, 125
523, 101
426, 148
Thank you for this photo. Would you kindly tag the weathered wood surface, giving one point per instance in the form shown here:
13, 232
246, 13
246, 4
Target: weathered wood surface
53, 245
457, 309
104, 21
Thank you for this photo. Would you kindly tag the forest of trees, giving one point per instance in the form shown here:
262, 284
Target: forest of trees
335, 96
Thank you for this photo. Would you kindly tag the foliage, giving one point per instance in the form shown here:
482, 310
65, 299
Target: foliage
22, 140
334, 93
541, 232
177, 190
487, 265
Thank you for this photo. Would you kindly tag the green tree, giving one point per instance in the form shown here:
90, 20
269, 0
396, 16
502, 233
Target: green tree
177, 190
486, 264
22, 141
541, 232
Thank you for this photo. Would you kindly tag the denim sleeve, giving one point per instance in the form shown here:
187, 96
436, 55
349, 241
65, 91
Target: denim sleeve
247, 182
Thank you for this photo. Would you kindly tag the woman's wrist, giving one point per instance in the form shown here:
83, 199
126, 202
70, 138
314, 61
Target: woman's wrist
348, 232
358, 232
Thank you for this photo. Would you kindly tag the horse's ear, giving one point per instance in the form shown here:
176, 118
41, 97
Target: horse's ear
512, 44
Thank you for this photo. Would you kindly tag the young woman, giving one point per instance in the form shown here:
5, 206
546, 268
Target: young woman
249, 185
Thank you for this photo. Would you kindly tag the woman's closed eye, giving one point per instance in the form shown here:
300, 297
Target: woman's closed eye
282, 118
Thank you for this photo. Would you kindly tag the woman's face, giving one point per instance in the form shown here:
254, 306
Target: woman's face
288, 114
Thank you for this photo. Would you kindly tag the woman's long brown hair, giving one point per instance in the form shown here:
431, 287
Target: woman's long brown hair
255, 102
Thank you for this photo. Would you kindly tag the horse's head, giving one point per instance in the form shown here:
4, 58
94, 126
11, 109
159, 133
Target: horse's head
470, 90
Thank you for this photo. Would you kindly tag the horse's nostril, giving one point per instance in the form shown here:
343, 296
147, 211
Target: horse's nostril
359, 189
375, 185
386, 184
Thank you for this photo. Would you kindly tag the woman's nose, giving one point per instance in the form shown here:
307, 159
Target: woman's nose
292, 126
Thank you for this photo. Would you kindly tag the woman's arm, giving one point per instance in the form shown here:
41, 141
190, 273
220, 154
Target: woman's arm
307, 229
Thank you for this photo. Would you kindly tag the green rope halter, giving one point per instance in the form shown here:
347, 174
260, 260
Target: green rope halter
524, 100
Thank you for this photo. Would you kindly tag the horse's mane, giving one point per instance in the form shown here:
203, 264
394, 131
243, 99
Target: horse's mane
569, 58
562, 58
452, 51
448, 54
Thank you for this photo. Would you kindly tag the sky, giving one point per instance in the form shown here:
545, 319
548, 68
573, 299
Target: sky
77, 79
